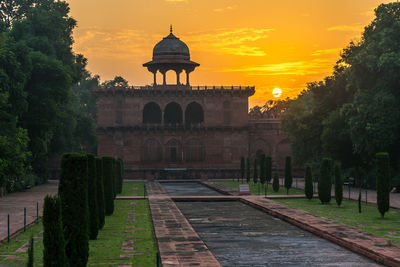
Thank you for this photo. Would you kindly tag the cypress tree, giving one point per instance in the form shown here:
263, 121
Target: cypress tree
92, 198
242, 168
115, 177
275, 183
359, 201
288, 174
248, 170
100, 191
108, 176
338, 184
263, 170
268, 168
30, 253
73, 192
382, 182
325, 181
121, 175
53, 236
255, 174
309, 190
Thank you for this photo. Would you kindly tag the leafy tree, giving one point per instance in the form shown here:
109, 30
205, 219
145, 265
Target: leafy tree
325, 181
100, 191
275, 183
92, 198
288, 174
338, 184
53, 237
309, 190
73, 192
382, 182
118, 81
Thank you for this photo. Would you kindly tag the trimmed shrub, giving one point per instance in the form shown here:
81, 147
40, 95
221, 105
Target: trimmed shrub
263, 170
268, 168
275, 183
92, 198
100, 191
255, 174
30, 253
115, 177
325, 181
338, 184
108, 176
288, 174
73, 192
121, 175
309, 190
242, 168
359, 201
53, 236
382, 182
248, 170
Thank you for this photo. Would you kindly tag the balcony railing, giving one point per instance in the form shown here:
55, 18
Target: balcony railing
175, 87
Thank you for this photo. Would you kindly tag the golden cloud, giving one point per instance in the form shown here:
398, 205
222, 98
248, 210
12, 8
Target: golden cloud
301, 68
331, 51
347, 28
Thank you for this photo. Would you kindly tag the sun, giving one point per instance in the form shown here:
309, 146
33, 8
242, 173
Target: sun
277, 92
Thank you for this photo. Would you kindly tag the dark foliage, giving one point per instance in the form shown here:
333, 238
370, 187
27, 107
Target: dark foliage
108, 176
92, 198
325, 181
382, 182
100, 191
338, 184
309, 190
288, 174
275, 183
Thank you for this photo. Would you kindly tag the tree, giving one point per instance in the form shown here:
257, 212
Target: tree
275, 184
268, 168
100, 191
309, 190
73, 192
338, 184
53, 236
108, 176
118, 81
248, 170
263, 170
288, 174
242, 168
92, 197
325, 181
359, 201
255, 174
382, 182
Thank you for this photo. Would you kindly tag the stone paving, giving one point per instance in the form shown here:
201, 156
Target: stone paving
178, 243
15, 203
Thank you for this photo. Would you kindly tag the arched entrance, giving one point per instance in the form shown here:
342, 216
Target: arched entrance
194, 114
151, 113
173, 114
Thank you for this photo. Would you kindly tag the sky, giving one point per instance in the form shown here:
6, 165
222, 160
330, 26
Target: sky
263, 43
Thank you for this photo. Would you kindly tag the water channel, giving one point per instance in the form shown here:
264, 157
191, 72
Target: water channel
239, 235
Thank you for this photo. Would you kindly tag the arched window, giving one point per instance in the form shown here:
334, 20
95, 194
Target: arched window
173, 151
173, 114
151, 113
194, 150
152, 151
194, 114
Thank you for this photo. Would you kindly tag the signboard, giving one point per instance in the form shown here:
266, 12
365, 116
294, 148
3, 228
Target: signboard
244, 189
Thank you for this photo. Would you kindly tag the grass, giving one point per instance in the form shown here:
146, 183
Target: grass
254, 188
369, 220
132, 189
131, 221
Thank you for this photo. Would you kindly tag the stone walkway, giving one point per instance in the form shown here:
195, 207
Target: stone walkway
15, 203
178, 243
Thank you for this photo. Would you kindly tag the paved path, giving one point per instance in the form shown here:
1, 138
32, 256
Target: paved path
178, 243
370, 196
15, 203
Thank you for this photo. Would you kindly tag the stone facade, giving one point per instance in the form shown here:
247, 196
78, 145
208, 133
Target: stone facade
182, 130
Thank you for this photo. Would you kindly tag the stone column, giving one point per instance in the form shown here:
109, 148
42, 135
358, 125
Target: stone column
178, 81
155, 78
164, 78
187, 78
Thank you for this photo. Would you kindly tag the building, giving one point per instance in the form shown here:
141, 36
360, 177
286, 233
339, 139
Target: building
178, 130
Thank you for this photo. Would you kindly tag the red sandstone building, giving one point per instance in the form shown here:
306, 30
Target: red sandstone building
165, 130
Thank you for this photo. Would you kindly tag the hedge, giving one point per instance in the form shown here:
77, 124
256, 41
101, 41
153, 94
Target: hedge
108, 176
100, 192
92, 198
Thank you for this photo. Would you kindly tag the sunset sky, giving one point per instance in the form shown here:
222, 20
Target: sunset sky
265, 43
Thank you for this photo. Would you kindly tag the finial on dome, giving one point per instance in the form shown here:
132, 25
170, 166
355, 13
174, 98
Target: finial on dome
170, 29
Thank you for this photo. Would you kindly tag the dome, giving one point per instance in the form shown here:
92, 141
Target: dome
171, 48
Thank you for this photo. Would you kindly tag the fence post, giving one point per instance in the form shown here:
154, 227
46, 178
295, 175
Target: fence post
8, 228
24, 219
349, 191
158, 259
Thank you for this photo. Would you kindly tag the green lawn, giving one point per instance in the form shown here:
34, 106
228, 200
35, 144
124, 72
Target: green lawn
256, 188
130, 221
132, 189
369, 220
